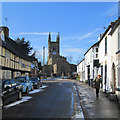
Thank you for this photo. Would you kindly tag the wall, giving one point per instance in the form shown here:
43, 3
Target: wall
105, 59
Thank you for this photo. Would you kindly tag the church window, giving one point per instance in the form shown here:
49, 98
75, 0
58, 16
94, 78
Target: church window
54, 49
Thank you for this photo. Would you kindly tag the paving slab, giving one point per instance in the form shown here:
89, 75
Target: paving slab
93, 108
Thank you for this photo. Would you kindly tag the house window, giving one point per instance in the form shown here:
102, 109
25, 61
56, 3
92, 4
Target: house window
2, 35
54, 48
96, 49
20, 61
106, 45
96, 55
119, 41
7, 54
91, 56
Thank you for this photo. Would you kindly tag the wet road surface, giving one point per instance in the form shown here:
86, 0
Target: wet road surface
55, 101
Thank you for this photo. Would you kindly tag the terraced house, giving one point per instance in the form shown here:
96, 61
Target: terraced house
13, 61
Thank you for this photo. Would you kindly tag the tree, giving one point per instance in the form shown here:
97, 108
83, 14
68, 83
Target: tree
70, 58
39, 66
25, 45
33, 56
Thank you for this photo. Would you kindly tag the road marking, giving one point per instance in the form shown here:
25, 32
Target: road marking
24, 99
43, 86
35, 91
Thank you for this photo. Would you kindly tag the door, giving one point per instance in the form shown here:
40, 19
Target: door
105, 77
89, 75
113, 78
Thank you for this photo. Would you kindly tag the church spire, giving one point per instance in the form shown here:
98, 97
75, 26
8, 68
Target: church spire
49, 38
58, 41
58, 38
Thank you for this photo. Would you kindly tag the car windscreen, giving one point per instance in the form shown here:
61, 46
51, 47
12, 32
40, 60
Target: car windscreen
6, 84
21, 79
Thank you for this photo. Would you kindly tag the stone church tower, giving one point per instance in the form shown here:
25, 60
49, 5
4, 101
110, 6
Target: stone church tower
53, 47
56, 64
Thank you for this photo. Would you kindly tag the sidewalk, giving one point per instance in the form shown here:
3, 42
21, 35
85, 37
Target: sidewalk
93, 108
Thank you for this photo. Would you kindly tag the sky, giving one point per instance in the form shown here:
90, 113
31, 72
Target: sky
79, 24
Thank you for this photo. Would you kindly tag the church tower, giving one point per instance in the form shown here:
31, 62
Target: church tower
53, 47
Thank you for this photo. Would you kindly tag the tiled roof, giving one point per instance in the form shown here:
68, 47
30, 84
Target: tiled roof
115, 25
13, 47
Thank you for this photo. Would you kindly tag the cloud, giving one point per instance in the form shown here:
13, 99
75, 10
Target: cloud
86, 35
91, 41
70, 38
68, 51
112, 11
89, 34
37, 33
66, 46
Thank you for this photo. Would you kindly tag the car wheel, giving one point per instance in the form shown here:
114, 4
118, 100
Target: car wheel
27, 91
32, 88
19, 95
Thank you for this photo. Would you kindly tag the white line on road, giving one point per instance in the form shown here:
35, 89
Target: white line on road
24, 99
43, 86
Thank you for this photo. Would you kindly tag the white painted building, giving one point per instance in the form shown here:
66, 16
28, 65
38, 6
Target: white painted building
105, 59
115, 56
109, 60
91, 63
81, 70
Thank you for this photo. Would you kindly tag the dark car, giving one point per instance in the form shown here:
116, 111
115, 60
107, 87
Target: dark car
36, 82
11, 90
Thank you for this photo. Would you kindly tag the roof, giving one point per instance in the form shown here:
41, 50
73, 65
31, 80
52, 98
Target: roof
15, 48
97, 43
116, 24
112, 25
80, 61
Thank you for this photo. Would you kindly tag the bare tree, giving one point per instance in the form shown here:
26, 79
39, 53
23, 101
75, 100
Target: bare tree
70, 58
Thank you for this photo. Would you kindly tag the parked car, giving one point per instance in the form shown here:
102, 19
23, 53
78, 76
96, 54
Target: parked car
36, 82
26, 82
11, 90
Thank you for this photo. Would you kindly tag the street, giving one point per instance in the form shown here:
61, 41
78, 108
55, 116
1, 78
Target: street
55, 100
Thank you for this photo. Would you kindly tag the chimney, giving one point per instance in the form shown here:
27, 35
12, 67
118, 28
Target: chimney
6, 30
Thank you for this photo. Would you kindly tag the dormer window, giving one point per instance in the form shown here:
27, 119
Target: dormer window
2, 35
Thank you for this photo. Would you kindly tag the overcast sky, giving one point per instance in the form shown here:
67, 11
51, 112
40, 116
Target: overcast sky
79, 24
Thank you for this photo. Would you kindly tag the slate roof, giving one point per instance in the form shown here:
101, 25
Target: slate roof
115, 25
97, 43
15, 48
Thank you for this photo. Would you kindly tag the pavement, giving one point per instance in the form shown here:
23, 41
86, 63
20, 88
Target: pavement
93, 108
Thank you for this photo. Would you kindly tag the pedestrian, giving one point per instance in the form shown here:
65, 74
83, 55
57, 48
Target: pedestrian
98, 80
